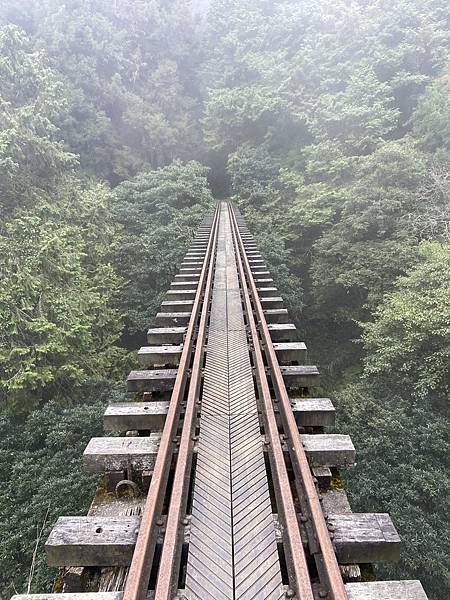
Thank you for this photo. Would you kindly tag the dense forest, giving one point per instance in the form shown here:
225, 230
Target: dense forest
329, 124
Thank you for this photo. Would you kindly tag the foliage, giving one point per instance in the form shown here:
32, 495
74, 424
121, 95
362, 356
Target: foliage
42, 479
401, 442
56, 301
409, 339
159, 212
132, 102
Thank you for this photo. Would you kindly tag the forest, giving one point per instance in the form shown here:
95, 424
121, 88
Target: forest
328, 123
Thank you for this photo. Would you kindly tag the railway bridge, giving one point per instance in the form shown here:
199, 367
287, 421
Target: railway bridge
223, 483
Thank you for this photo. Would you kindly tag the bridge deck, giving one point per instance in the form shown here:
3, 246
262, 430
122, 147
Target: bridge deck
232, 551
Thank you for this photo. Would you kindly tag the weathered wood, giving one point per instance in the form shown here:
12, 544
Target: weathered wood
299, 376
74, 579
272, 302
190, 270
177, 306
192, 262
180, 294
313, 412
386, 590
282, 332
174, 319
105, 454
149, 356
335, 501
329, 449
290, 351
158, 380
276, 315
323, 475
258, 272
261, 281
185, 277
166, 335
183, 285
365, 538
265, 292
256, 261
92, 541
125, 416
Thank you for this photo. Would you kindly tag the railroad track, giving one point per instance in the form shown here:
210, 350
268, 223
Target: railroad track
223, 483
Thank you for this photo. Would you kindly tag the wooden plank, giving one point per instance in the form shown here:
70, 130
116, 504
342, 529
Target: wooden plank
329, 449
364, 538
386, 590
272, 302
106, 454
196, 270
177, 306
265, 292
180, 294
261, 281
158, 380
166, 335
299, 376
173, 319
282, 332
335, 501
92, 541
276, 315
149, 356
185, 277
290, 351
183, 285
126, 416
313, 412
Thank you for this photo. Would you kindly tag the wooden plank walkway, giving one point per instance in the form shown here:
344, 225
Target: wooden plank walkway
233, 550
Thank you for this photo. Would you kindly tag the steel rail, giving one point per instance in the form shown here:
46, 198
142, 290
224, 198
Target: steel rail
136, 586
304, 478
298, 565
169, 562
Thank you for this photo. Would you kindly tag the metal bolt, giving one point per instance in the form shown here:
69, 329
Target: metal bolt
290, 593
159, 522
185, 521
303, 518
323, 594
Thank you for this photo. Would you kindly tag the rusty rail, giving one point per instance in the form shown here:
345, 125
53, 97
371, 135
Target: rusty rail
326, 560
138, 577
297, 559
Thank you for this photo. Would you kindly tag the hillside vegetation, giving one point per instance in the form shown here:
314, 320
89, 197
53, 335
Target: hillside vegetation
329, 124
